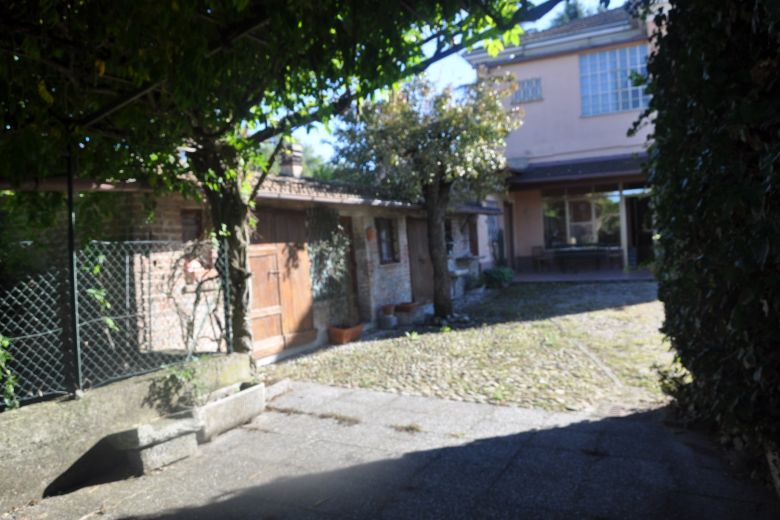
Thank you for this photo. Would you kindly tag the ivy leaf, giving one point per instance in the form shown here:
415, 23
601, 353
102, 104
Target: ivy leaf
44, 93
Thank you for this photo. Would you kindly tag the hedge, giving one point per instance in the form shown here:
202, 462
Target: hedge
713, 169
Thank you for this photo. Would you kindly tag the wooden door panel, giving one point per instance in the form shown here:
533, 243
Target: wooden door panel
264, 327
420, 265
266, 308
282, 308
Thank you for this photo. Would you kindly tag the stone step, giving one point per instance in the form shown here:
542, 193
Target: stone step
159, 455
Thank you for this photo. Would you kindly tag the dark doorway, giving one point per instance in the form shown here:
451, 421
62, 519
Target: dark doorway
420, 265
509, 234
640, 230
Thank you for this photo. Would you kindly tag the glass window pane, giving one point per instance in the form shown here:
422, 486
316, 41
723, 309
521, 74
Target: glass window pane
579, 211
580, 234
554, 222
605, 79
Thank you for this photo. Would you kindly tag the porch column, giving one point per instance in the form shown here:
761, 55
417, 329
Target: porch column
623, 227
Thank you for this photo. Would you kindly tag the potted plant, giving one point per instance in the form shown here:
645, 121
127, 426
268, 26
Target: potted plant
340, 334
406, 307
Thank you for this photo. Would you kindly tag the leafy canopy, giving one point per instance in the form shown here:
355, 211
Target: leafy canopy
415, 137
129, 83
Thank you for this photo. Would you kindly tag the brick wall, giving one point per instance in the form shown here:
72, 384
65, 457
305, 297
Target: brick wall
165, 222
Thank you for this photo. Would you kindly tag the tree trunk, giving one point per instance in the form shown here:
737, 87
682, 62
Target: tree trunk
437, 197
229, 213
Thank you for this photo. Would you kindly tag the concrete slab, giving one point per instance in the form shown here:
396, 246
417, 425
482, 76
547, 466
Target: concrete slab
533, 465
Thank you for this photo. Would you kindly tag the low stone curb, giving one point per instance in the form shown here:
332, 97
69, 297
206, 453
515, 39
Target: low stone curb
220, 416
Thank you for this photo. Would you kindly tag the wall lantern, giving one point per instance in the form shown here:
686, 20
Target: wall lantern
370, 234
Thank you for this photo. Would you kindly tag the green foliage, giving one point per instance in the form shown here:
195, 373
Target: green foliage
328, 245
498, 277
315, 166
572, 10
208, 67
415, 137
472, 282
180, 386
7, 378
714, 169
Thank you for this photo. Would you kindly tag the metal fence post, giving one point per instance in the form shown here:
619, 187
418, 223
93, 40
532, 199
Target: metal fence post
224, 252
75, 338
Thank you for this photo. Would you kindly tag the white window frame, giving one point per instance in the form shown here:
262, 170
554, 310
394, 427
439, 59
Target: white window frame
528, 90
605, 80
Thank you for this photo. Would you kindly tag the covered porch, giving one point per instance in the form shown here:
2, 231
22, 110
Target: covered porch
584, 216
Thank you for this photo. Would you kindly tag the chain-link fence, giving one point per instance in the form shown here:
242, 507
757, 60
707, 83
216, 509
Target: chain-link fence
140, 306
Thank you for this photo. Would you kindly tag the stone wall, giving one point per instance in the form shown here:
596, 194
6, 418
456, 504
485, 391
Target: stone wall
379, 284
39, 442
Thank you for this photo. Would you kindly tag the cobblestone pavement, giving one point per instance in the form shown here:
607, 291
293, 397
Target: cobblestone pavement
559, 347
327, 452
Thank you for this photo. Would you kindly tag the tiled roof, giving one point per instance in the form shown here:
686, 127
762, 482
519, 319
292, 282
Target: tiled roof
611, 17
305, 189
581, 169
312, 190
604, 28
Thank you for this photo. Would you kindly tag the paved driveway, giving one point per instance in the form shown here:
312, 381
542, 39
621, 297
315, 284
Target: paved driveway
328, 452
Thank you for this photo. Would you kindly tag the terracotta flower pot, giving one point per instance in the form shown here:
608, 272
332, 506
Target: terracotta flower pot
341, 335
388, 309
406, 307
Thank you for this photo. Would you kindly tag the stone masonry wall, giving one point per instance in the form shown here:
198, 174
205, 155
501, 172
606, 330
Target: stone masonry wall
380, 284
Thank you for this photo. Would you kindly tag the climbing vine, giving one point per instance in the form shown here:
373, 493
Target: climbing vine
329, 253
7, 378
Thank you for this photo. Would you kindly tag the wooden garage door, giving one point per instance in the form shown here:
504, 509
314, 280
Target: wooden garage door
282, 315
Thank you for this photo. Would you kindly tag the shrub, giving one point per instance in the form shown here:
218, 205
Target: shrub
498, 276
714, 170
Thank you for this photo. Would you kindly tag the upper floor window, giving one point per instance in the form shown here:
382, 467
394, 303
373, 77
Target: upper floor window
605, 80
527, 90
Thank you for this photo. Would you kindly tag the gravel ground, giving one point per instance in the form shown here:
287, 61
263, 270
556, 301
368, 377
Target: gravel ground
584, 347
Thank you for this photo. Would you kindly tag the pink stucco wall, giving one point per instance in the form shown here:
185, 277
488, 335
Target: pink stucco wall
529, 223
554, 129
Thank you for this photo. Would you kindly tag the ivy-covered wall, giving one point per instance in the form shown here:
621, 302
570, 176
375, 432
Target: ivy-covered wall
715, 175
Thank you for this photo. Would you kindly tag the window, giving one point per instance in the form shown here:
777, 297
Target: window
527, 90
579, 217
605, 80
191, 224
387, 239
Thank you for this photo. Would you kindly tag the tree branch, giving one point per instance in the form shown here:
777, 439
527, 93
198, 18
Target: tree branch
268, 167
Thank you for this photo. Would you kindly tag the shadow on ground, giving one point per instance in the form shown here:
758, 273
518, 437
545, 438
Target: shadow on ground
632, 467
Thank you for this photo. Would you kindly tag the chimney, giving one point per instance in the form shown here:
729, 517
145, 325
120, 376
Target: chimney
292, 161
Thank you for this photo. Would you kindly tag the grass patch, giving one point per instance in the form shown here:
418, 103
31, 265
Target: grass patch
407, 428
344, 420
